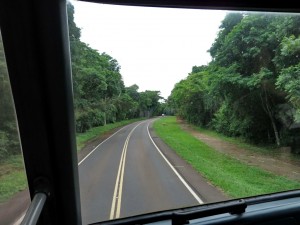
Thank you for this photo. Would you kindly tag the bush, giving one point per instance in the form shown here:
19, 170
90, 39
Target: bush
227, 121
89, 119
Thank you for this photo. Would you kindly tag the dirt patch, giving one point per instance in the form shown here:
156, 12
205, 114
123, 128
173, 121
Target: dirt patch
281, 164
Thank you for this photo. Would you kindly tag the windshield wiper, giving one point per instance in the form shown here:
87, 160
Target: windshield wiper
184, 215
181, 216
233, 207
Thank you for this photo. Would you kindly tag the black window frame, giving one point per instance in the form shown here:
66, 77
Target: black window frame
35, 37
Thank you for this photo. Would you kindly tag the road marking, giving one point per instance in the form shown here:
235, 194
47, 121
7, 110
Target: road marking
174, 170
117, 197
100, 144
19, 221
23, 214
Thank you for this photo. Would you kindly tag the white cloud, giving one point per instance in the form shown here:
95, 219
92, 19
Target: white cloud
156, 47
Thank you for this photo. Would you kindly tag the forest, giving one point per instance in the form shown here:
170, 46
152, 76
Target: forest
100, 96
251, 88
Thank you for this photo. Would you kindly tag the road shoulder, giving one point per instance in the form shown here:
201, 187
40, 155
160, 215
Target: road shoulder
13, 209
206, 191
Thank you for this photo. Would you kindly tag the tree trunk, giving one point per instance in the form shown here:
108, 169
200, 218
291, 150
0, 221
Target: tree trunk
267, 109
105, 110
275, 131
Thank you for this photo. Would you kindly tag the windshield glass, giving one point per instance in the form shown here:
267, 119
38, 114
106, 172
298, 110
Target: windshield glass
181, 107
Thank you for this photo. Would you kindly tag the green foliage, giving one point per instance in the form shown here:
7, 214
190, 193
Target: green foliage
149, 103
290, 45
4, 143
227, 122
230, 21
88, 119
252, 85
100, 96
190, 97
289, 81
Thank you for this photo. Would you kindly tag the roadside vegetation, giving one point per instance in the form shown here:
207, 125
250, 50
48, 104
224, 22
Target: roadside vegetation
250, 91
12, 174
251, 88
12, 177
101, 103
235, 178
100, 96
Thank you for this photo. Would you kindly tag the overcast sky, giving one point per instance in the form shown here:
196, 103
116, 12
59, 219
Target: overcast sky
155, 47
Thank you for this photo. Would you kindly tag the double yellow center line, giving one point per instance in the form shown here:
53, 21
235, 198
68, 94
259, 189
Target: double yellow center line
117, 197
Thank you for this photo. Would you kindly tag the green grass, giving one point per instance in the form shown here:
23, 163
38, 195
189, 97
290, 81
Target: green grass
95, 132
12, 177
235, 178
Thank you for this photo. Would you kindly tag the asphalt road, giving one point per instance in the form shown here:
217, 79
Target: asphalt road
128, 175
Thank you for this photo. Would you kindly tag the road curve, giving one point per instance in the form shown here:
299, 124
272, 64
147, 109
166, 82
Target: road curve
127, 175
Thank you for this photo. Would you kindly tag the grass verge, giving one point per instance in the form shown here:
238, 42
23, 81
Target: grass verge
235, 178
93, 133
12, 177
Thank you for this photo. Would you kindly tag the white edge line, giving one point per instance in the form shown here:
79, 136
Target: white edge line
175, 171
100, 144
19, 221
23, 214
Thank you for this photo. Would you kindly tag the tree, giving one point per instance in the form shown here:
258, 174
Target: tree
251, 86
251, 48
229, 22
100, 96
149, 103
289, 81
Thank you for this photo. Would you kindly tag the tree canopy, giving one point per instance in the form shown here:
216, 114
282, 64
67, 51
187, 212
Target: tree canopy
251, 86
100, 95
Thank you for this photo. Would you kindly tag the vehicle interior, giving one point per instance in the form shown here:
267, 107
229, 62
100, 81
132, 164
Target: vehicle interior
37, 51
